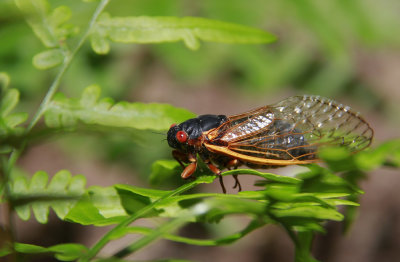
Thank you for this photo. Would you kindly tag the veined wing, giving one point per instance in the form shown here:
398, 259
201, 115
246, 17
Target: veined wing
291, 130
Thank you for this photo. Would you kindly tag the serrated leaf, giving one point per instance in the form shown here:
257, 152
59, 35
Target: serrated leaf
190, 30
48, 59
64, 112
61, 194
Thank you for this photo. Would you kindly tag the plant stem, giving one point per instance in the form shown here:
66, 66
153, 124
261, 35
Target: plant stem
107, 237
163, 229
67, 61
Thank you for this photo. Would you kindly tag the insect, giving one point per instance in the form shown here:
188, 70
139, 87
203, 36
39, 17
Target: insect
289, 132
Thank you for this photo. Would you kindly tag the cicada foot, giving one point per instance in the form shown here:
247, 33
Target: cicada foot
237, 183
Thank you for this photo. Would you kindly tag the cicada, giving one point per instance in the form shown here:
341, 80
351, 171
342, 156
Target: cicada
290, 132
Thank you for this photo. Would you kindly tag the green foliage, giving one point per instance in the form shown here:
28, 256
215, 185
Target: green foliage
48, 59
63, 252
64, 112
51, 27
98, 206
60, 194
300, 205
171, 29
9, 122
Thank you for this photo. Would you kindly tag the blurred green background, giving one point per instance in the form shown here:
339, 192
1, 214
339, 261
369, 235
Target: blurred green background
345, 50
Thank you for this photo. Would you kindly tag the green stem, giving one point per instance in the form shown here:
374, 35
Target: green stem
108, 236
162, 230
303, 247
67, 61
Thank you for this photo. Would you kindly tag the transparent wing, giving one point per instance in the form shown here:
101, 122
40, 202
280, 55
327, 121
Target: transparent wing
293, 129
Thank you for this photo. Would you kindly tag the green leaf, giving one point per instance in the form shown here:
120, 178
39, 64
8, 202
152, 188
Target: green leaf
49, 26
48, 59
63, 252
334, 154
85, 213
36, 16
134, 198
190, 30
64, 112
163, 171
107, 201
15, 119
61, 194
68, 252
4, 82
9, 101
59, 16
316, 212
386, 153
99, 42
29, 249
268, 176
321, 180
9, 121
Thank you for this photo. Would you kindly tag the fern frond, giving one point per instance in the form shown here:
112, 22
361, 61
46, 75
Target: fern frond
9, 122
63, 252
51, 27
66, 112
190, 30
61, 194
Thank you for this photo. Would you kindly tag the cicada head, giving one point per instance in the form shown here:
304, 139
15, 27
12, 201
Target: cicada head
177, 137
187, 136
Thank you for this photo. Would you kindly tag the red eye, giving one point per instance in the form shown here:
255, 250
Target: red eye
181, 136
172, 125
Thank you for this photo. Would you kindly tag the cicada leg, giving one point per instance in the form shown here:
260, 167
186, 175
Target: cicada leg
185, 158
189, 170
234, 163
216, 171
180, 157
